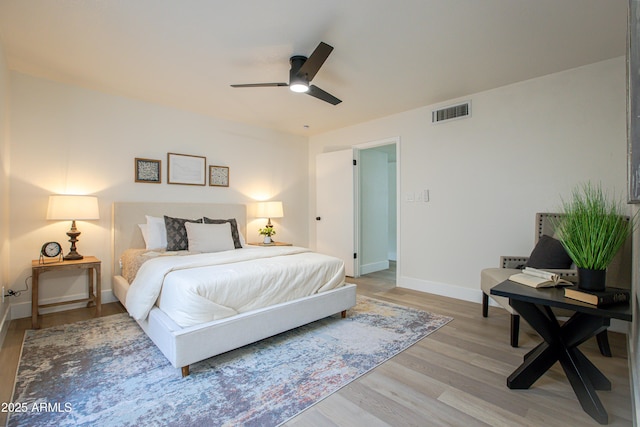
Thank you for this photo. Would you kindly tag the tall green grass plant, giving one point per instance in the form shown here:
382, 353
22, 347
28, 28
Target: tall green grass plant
593, 227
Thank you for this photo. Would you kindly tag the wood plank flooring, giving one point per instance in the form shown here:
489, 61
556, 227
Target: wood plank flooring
454, 377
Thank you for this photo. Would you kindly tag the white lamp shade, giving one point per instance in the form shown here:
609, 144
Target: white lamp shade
73, 208
269, 210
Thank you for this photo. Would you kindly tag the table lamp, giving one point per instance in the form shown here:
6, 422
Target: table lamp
72, 208
269, 210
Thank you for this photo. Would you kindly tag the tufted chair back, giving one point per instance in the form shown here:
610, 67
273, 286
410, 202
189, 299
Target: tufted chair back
618, 272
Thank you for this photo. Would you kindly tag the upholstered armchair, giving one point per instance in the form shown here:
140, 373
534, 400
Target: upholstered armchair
547, 255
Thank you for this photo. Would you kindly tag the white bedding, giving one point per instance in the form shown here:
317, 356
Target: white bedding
199, 288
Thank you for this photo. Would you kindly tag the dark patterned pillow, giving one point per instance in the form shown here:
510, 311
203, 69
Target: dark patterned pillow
549, 253
177, 233
234, 229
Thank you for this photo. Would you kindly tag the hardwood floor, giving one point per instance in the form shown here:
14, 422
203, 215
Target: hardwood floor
455, 376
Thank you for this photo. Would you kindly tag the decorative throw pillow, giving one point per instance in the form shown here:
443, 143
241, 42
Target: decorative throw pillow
209, 237
176, 233
234, 229
549, 253
156, 237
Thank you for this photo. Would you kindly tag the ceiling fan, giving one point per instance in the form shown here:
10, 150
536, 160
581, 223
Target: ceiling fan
303, 70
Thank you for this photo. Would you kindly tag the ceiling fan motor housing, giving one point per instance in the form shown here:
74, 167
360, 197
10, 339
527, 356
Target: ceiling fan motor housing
296, 63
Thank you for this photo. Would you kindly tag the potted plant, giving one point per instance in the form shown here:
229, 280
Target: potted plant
592, 230
267, 232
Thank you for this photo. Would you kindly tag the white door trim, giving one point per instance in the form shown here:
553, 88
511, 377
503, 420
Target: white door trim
371, 144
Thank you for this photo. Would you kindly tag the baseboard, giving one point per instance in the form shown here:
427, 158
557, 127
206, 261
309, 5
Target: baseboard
373, 267
4, 324
23, 309
474, 295
442, 289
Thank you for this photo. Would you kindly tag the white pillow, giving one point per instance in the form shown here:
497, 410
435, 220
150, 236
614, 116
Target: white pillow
209, 237
156, 237
143, 229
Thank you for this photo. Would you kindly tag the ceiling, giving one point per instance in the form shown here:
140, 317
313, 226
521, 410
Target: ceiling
390, 55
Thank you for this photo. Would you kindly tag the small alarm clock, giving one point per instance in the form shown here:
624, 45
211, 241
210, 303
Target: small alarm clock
50, 250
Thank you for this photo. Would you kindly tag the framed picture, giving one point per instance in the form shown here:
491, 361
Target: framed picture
148, 170
186, 169
219, 176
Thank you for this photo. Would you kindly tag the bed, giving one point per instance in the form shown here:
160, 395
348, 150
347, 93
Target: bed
190, 343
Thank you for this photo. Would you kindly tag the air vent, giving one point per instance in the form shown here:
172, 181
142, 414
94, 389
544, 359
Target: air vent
450, 113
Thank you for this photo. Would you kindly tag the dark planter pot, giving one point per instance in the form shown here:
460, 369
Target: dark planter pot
591, 280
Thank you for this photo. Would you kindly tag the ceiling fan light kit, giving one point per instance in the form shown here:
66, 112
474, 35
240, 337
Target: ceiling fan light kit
302, 71
299, 88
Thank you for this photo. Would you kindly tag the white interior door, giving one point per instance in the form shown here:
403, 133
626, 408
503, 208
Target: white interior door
335, 216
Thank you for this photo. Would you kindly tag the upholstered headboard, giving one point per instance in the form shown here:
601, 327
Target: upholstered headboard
127, 215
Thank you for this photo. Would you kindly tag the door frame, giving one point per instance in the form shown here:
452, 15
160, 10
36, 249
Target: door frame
357, 208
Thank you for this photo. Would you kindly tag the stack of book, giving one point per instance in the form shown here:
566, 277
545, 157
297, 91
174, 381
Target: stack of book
599, 298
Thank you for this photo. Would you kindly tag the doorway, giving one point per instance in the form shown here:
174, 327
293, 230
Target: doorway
357, 207
377, 207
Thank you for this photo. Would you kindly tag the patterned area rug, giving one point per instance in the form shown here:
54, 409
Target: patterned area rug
107, 372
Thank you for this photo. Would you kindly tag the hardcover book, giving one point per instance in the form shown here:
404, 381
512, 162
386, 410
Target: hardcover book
607, 297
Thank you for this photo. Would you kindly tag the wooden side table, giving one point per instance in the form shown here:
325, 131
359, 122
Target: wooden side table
271, 244
89, 263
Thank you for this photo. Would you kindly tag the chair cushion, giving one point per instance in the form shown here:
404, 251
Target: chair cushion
489, 277
549, 253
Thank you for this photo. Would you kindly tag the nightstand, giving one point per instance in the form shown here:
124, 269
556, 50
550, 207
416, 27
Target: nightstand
271, 244
89, 263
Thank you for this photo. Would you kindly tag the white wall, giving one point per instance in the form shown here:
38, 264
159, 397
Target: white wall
4, 189
525, 146
66, 139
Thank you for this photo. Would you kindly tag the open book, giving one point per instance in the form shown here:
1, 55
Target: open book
538, 278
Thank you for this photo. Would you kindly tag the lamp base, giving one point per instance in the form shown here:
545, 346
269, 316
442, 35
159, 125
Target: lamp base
73, 255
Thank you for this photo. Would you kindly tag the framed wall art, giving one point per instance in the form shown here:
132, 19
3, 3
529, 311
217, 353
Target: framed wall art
148, 170
219, 176
186, 169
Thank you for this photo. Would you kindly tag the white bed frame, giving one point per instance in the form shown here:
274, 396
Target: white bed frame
184, 346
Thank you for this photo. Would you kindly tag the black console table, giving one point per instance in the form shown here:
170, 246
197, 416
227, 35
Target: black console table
561, 341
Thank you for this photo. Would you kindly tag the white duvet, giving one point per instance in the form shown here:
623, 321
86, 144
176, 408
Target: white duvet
200, 288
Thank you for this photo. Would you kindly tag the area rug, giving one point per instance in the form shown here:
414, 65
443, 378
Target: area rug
107, 372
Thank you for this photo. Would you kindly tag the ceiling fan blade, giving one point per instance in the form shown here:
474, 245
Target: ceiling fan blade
261, 85
316, 92
315, 61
